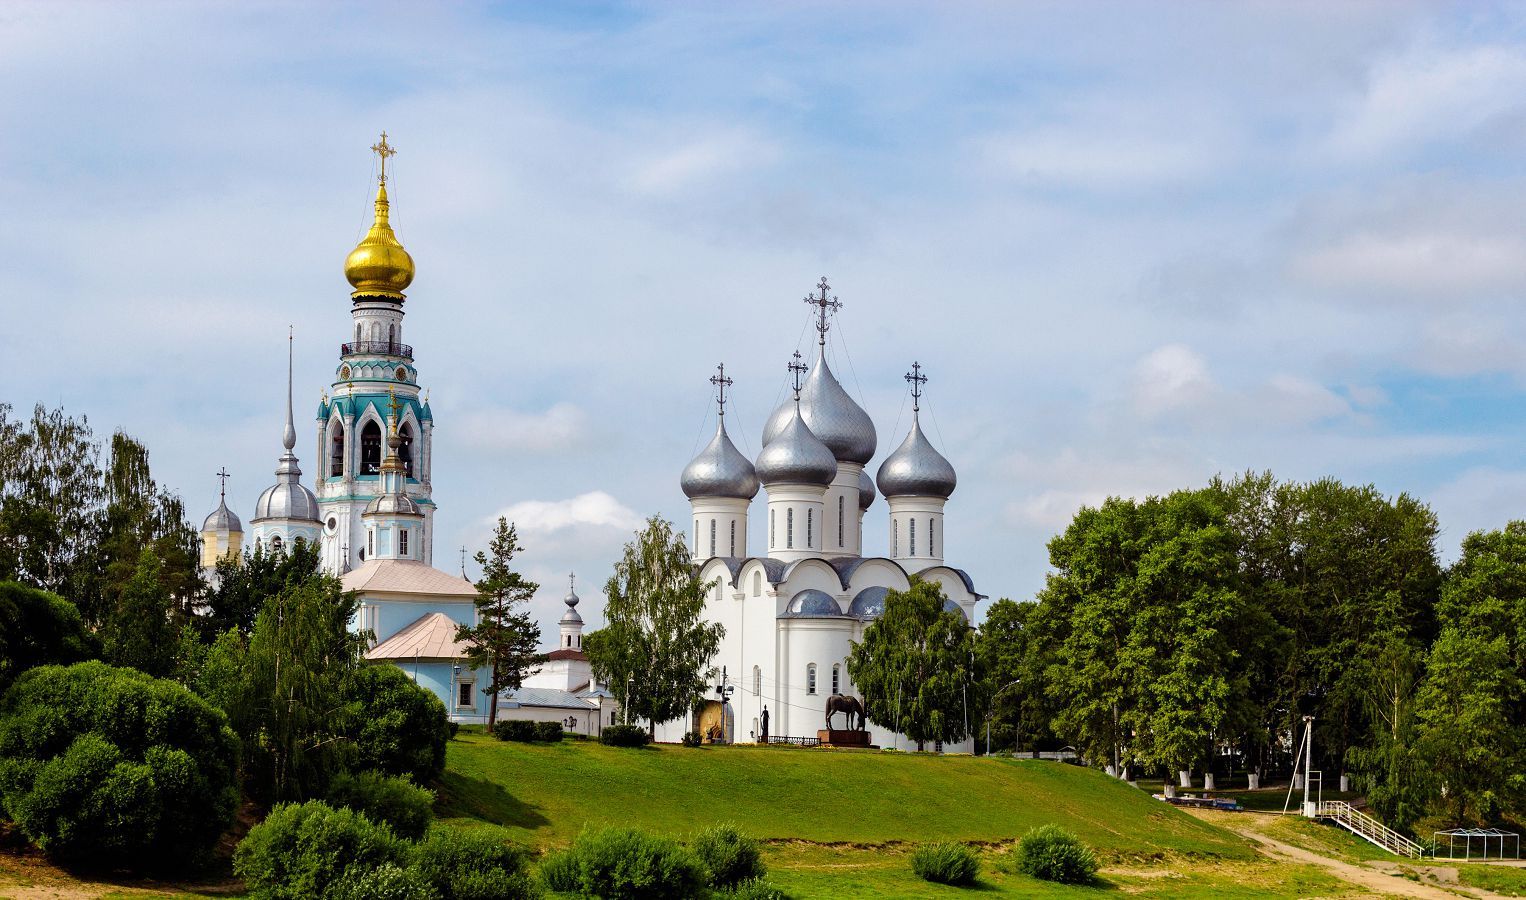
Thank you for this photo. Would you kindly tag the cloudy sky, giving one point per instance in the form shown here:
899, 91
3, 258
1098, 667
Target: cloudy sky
1134, 245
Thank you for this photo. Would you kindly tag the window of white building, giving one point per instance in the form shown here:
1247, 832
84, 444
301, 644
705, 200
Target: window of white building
712, 537
810, 678
757, 584
840, 499
733, 538
772, 543
757, 681
789, 528
370, 542
810, 523
275, 544
895, 537
836, 678
911, 534
930, 532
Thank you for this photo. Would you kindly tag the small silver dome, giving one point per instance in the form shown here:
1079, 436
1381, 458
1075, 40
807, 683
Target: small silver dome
831, 415
811, 602
916, 469
951, 606
398, 504
222, 519
869, 603
865, 490
571, 617
796, 456
288, 498
720, 470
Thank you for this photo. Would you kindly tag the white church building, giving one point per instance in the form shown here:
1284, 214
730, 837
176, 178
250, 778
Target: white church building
790, 613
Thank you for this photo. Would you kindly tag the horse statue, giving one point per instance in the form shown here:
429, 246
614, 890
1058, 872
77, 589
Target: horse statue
842, 703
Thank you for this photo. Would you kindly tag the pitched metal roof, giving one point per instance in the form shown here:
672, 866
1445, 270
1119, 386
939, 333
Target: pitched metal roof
430, 636
405, 576
551, 697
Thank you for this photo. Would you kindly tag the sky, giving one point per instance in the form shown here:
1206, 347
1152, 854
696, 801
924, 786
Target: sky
1134, 245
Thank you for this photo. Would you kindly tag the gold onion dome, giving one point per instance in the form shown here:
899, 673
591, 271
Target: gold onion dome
379, 266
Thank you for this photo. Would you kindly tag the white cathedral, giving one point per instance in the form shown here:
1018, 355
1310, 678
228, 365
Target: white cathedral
791, 613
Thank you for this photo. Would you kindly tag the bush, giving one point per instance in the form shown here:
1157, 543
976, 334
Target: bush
730, 856
1054, 854
624, 736
514, 730
626, 864
39, 629
473, 865
757, 889
400, 728
304, 851
549, 732
692, 739
945, 862
110, 767
385, 798
560, 872
387, 881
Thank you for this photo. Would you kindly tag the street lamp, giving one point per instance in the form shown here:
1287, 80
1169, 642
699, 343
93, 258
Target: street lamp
992, 711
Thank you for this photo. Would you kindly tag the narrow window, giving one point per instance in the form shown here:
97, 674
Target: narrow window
391, 336
757, 681
370, 449
402, 542
771, 542
840, 499
733, 538
569, 640
336, 450
931, 551
836, 678
464, 693
275, 544
810, 522
789, 528
696, 537
357, 335
712, 537
810, 678
405, 448
895, 537
757, 584
911, 534
370, 542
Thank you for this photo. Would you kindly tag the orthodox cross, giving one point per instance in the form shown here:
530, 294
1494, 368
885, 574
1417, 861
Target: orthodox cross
796, 367
917, 379
463, 560
222, 477
721, 382
823, 303
392, 403
572, 581
384, 150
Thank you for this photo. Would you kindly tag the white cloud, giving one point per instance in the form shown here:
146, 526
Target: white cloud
595, 508
1172, 378
1076, 157
561, 427
703, 160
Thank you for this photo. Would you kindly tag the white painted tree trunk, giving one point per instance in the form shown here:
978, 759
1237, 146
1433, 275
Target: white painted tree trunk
1208, 781
1111, 770
1255, 781
1184, 777
1297, 782
1170, 790
1345, 783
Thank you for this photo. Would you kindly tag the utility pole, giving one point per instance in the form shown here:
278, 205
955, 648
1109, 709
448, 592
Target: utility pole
1308, 764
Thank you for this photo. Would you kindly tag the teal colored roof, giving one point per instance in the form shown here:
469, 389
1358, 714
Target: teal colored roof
352, 407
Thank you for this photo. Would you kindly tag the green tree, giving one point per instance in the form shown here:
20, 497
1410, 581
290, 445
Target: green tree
655, 652
39, 629
505, 639
1013, 653
141, 632
245, 582
50, 496
1389, 769
915, 667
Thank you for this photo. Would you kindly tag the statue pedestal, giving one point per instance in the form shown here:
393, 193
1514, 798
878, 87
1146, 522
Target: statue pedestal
835, 738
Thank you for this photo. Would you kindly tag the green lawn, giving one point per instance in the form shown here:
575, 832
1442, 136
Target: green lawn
548, 792
1507, 880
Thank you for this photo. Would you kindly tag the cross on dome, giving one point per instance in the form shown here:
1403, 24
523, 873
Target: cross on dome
823, 303
383, 150
721, 382
222, 477
917, 379
797, 368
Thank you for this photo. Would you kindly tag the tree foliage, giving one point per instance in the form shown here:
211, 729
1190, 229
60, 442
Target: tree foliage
505, 639
141, 630
246, 581
915, 667
655, 651
38, 629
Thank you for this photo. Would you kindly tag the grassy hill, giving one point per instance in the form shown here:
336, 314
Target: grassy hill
547, 793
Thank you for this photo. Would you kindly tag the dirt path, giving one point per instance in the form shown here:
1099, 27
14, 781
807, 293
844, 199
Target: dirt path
1382, 878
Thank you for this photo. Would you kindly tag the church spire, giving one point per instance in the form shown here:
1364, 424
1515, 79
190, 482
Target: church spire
289, 436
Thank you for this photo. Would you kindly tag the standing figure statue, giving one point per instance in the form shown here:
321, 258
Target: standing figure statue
763, 736
842, 703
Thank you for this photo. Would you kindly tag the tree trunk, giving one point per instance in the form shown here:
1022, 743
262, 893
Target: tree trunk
492, 702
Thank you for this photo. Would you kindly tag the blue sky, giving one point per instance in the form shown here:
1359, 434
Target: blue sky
1134, 244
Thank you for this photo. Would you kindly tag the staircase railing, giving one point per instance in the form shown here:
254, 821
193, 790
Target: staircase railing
1369, 829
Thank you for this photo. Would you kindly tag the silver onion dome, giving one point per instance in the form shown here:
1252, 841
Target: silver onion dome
865, 490
222, 519
796, 456
571, 616
831, 415
916, 468
869, 603
720, 470
393, 504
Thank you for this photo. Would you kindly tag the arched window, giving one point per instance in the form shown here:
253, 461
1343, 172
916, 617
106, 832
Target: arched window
696, 537
771, 542
840, 500
757, 681
930, 545
733, 538
569, 640
810, 528
757, 584
810, 678
275, 544
712, 537
391, 334
895, 537
336, 449
789, 528
911, 534
405, 448
836, 678
376, 331
370, 542
370, 448
357, 334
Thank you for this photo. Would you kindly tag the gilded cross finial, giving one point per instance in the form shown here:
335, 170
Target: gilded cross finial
797, 368
823, 303
721, 382
917, 379
222, 477
393, 406
384, 150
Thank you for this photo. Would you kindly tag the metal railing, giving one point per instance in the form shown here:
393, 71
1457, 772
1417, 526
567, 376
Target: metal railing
378, 348
1369, 829
794, 741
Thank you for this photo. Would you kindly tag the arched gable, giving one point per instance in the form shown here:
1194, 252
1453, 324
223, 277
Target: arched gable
956, 583
811, 573
877, 570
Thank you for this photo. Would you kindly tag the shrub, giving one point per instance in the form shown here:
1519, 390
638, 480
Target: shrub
559, 871
385, 798
550, 732
692, 739
624, 736
757, 889
387, 881
304, 850
110, 767
626, 864
945, 862
730, 856
400, 728
473, 865
514, 730
39, 629
1054, 854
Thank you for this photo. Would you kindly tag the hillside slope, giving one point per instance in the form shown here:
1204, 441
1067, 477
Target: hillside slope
858, 797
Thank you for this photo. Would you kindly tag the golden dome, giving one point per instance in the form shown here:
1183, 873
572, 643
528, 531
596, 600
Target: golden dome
379, 266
